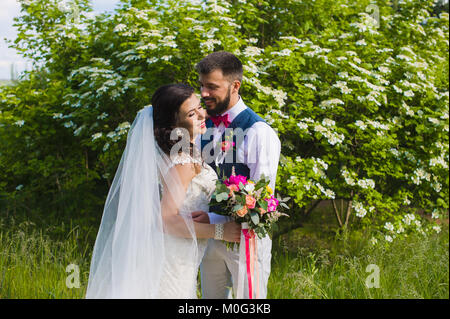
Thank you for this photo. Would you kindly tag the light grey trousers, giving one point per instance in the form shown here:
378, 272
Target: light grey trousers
220, 268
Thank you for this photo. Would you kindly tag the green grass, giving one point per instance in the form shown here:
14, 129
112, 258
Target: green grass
33, 265
306, 263
414, 267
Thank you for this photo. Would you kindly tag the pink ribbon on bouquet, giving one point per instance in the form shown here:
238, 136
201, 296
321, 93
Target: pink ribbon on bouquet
251, 258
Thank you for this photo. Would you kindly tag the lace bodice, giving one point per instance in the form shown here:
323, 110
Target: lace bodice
180, 278
198, 194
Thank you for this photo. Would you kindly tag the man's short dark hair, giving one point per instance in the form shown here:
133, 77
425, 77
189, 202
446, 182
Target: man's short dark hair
227, 62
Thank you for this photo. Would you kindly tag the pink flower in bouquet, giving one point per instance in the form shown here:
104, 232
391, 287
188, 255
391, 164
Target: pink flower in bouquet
250, 201
226, 145
236, 180
242, 212
272, 204
262, 211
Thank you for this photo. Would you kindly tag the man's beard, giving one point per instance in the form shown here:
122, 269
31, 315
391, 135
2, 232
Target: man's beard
220, 106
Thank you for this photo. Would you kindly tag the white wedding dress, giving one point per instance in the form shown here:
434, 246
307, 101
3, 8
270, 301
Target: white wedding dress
179, 277
133, 256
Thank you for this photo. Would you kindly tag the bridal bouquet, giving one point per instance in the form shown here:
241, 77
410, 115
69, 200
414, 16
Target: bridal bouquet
254, 205
250, 203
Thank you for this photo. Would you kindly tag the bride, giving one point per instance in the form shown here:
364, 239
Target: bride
148, 245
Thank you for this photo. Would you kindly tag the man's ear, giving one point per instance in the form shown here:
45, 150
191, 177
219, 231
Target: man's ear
236, 86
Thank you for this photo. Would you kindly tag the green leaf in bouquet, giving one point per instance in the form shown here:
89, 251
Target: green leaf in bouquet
240, 199
284, 205
261, 184
258, 192
255, 218
222, 188
241, 186
264, 204
222, 196
270, 232
264, 178
261, 232
237, 207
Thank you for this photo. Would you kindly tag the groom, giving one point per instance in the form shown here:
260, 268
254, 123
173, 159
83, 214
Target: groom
255, 153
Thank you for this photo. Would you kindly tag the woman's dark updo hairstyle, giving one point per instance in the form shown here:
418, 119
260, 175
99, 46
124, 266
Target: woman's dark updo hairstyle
166, 102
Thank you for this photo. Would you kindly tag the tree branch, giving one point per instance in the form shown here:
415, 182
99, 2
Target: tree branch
336, 212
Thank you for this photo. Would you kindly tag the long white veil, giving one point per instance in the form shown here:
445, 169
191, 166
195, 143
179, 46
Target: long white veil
130, 251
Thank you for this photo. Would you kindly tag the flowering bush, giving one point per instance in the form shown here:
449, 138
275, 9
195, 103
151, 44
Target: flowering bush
358, 92
368, 103
361, 107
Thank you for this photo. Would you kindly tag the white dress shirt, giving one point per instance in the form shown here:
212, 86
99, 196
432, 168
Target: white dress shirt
260, 151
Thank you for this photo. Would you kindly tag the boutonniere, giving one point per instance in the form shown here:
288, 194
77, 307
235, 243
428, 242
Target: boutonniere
228, 143
225, 147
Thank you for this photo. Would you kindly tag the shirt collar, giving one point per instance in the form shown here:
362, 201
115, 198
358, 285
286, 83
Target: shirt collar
235, 110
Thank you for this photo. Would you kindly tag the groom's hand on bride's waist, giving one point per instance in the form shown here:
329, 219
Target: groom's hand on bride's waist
200, 217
